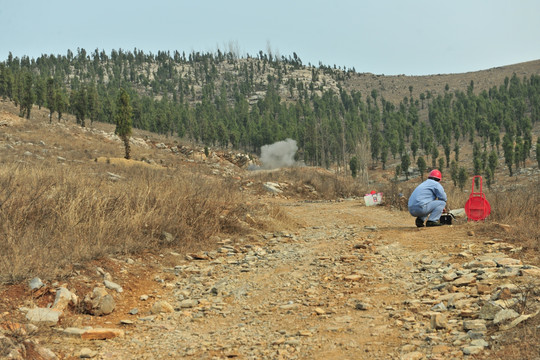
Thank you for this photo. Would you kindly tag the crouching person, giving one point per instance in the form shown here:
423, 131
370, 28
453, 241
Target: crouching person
428, 200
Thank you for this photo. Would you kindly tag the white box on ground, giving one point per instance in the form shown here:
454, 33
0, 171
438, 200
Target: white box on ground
373, 199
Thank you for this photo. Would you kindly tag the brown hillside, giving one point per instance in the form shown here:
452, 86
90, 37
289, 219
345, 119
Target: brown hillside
395, 88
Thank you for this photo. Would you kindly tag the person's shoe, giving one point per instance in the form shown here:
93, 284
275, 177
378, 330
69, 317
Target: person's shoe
433, 223
419, 222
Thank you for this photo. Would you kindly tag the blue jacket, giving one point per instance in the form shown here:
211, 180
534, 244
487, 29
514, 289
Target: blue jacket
426, 192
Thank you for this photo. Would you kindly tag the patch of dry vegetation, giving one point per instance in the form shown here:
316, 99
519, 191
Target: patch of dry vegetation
52, 216
519, 207
311, 183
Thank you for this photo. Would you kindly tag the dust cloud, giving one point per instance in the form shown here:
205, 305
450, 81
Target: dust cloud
279, 154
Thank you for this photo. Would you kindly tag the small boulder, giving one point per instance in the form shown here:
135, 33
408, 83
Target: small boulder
64, 298
489, 310
161, 307
36, 283
439, 321
113, 286
44, 316
505, 316
99, 302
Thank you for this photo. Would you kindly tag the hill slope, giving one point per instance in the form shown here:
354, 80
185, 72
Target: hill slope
395, 88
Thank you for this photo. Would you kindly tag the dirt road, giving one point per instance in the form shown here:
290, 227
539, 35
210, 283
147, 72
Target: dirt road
352, 282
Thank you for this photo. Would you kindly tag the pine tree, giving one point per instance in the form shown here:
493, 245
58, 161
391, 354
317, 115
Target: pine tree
447, 150
422, 166
538, 151
462, 178
441, 163
456, 151
434, 156
353, 165
123, 119
79, 104
493, 162
454, 172
50, 97
508, 148
405, 163
92, 104
27, 96
40, 92
61, 103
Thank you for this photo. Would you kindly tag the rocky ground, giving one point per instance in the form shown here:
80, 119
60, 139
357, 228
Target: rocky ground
351, 282
343, 281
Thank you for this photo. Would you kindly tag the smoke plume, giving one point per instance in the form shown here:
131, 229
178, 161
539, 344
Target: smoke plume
279, 154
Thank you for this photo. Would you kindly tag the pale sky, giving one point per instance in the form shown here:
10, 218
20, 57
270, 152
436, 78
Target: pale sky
390, 37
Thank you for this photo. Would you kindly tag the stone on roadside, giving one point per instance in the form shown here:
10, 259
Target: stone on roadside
415, 355
166, 237
36, 283
102, 334
472, 350
450, 276
532, 272
161, 307
439, 321
489, 310
504, 294
273, 188
483, 289
64, 298
113, 286
86, 353
188, 303
464, 280
439, 307
517, 321
44, 316
199, 256
504, 316
480, 342
475, 325
508, 262
362, 306
75, 331
508, 271
320, 311
99, 302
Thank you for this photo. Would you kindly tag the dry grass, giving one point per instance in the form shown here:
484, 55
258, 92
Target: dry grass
519, 207
52, 216
61, 203
311, 183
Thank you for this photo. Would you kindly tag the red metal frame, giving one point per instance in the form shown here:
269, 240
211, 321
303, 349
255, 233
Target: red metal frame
477, 207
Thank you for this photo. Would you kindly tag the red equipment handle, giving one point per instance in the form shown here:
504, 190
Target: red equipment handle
472, 190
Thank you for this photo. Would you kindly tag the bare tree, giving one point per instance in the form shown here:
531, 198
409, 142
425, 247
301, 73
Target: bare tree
363, 155
234, 49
